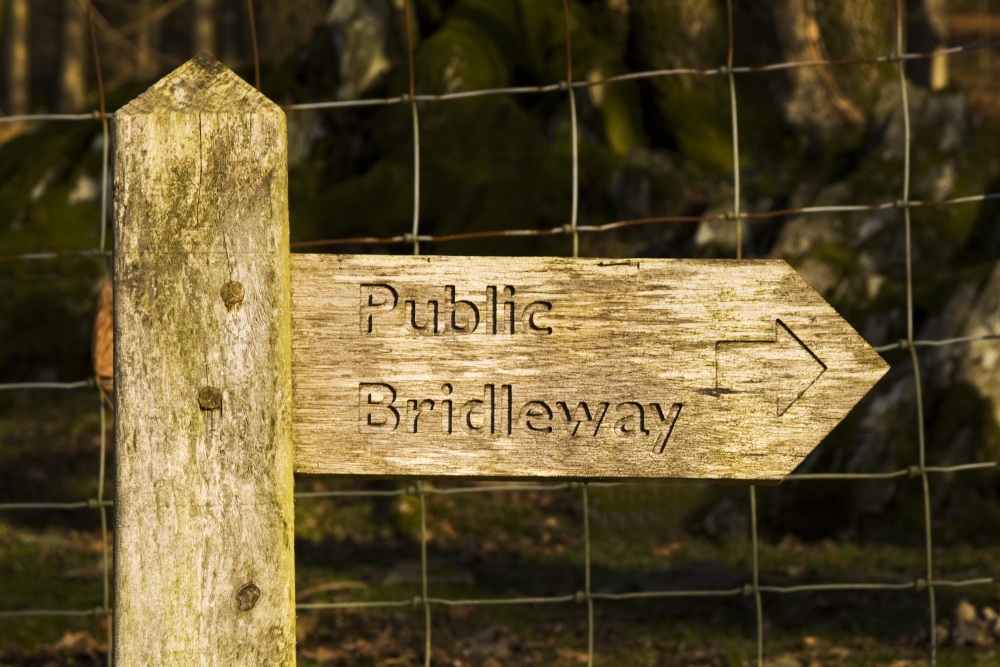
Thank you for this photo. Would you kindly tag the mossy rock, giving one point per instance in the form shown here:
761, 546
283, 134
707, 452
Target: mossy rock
50, 196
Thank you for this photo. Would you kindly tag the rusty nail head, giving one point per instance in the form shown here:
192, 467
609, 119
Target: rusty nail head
232, 293
210, 398
247, 597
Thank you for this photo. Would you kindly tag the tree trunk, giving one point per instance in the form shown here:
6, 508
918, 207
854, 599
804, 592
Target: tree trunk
816, 100
203, 27
16, 57
146, 61
926, 31
232, 33
361, 32
72, 82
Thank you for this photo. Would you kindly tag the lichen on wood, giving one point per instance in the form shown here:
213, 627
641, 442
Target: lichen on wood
204, 496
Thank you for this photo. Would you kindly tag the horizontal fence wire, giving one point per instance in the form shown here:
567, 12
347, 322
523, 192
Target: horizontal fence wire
412, 237
20, 386
35, 613
425, 601
919, 584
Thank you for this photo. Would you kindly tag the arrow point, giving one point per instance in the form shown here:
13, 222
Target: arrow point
800, 368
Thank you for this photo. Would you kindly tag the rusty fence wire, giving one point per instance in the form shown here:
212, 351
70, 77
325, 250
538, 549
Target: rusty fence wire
412, 239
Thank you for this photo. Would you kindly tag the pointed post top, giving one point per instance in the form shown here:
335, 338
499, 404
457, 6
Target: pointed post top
201, 85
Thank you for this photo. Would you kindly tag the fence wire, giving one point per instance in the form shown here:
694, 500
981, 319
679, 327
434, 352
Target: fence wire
425, 601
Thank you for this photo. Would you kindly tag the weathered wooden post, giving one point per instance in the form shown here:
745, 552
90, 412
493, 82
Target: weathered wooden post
204, 569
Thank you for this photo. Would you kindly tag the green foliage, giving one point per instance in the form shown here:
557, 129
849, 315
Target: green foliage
37, 172
47, 307
659, 146
29, 563
471, 50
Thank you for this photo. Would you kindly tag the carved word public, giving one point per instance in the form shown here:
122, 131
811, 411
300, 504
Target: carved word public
498, 313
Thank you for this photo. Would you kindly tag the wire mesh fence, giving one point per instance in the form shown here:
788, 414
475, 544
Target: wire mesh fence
412, 239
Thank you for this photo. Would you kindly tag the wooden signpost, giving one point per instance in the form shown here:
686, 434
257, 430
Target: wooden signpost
517, 367
232, 356
204, 567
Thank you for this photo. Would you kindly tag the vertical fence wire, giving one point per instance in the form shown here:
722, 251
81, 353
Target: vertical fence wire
415, 233
105, 184
728, 70
412, 98
918, 390
574, 137
105, 537
424, 583
254, 47
736, 217
587, 574
575, 235
102, 465
755, 586
102, 102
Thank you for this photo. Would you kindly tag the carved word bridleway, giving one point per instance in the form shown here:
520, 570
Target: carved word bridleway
518, 367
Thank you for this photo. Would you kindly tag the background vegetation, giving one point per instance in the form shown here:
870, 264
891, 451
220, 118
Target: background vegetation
650, 147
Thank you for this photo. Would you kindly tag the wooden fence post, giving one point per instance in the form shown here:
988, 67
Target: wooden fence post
204, 569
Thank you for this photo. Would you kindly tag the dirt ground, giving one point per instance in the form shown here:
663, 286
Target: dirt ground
490, 545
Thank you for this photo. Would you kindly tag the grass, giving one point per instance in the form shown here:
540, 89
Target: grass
530, 544
488, 545
49, 559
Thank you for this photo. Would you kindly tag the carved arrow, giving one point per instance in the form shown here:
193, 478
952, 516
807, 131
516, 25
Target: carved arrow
782, 368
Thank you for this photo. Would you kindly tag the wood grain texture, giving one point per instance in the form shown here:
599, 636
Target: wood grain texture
204, 569
616, 369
